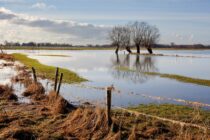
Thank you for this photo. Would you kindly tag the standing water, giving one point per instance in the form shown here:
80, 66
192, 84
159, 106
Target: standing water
101, 68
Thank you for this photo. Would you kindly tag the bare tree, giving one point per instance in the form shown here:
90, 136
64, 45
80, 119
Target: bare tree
151, 36
141, 33
120, 37
116, 37
138, 30
126, 38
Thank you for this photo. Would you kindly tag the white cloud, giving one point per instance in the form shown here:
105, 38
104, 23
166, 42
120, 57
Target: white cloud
69, 31
42, 5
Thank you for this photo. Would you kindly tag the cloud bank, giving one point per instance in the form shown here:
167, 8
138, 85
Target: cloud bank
74, 32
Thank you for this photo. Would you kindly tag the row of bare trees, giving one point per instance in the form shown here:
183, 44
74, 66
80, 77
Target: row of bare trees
139, 34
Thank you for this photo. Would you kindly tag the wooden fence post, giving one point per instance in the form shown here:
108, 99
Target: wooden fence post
60, 82
34, 74
1, 50
56, 79
109, 104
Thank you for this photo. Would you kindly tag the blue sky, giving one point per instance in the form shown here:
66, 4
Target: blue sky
179, 21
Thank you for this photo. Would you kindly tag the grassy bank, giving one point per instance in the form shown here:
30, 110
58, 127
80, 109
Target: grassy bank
179, 78
47, 71
176, 112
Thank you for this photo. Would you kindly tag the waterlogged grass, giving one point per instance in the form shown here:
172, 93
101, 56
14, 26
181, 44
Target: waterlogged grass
54, 55
48, 72
175, 112
179, 78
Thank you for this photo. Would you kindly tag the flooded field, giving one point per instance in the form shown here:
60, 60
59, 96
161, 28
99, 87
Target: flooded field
133, 87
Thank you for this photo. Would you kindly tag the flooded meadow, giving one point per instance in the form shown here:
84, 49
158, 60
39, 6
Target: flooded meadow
126, 73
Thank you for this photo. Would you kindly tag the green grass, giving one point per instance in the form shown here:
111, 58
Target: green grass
175, 112
54, 55
179, 78
48, 72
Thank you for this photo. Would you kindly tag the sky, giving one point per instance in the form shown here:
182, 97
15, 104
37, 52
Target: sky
82, 22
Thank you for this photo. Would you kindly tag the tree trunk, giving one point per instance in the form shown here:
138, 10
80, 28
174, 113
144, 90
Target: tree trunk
118, 60
138, 49
117, 49
149, 49
128, 49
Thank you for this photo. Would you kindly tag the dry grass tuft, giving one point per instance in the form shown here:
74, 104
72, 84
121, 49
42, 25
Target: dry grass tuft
114, 136
90, 121
59, 104
6, 92
35, 91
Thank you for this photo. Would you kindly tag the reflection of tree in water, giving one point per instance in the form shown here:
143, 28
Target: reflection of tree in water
135, 67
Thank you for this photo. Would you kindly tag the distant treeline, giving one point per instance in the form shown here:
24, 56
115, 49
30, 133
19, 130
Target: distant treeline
33, 44
194, 46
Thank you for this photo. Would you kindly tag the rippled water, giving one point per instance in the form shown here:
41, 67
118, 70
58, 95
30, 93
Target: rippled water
99, 67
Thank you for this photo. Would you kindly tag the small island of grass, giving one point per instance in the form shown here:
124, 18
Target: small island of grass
179, 78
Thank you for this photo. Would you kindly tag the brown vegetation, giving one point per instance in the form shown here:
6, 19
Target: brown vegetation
58, 104
91, 122
6, 92
7, 57
38, 121
35, 91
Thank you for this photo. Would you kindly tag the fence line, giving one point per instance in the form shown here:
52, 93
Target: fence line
165, 119
149, 96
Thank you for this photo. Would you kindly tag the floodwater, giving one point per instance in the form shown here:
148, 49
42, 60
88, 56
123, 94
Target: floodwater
100, 68
6, 74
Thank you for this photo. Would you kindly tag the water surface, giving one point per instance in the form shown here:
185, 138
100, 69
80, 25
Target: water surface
99, 67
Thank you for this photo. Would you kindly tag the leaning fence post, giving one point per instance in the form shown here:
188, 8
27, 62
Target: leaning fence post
60, 82
56, 79
34, 74
109, 103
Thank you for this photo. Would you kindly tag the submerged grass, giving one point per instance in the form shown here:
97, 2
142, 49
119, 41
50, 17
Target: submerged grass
54, 55
47, 71
179, 78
